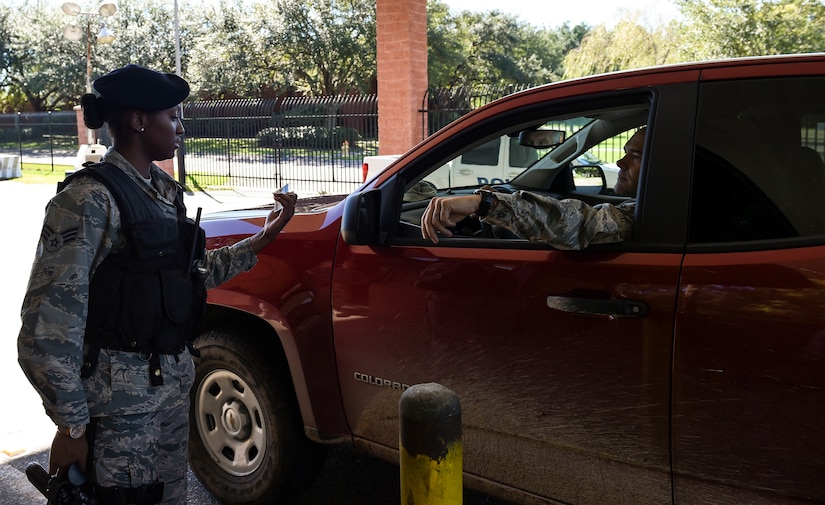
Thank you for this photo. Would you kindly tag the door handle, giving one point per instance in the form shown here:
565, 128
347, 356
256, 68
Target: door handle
619, 307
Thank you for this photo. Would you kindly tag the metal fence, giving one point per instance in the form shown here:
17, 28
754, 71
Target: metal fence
441, 106
313, 143
316, 144
46, 139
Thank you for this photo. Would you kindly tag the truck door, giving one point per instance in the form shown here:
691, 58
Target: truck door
749, 389
561, 359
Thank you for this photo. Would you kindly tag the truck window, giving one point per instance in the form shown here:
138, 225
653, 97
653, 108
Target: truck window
759, 171
521, 156
485, 154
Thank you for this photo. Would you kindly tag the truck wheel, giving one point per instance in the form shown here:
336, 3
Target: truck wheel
246, 439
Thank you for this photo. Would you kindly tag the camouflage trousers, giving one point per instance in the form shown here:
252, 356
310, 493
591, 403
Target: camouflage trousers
140, 431
142, 449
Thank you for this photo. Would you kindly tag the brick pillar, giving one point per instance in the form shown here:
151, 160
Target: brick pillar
402, 72
82, 131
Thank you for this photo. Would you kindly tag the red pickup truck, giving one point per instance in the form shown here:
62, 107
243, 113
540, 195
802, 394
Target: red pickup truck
685, 365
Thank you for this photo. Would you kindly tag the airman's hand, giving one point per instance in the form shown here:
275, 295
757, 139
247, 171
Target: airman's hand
67, 450
275, 221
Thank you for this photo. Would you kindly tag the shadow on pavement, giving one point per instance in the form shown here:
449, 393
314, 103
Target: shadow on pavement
347, 478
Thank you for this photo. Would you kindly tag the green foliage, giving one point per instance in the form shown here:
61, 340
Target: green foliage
493, 47
36, 173
233, 57
630, 44
7, 56
306, 115
308, 137
329, 45
44, 70
264, 48
709, 29
135, 23
728, 28
48, 71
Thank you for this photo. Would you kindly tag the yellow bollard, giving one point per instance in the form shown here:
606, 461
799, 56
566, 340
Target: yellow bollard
431, 449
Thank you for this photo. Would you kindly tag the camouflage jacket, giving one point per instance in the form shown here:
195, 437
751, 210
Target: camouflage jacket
564, 224
81, 227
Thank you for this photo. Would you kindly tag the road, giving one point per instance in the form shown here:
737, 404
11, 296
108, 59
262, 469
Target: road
347, 478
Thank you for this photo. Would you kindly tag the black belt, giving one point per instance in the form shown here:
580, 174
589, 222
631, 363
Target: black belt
155, 375
149, 494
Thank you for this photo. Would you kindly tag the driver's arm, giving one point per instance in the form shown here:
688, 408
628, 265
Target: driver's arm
564, 224
443, 213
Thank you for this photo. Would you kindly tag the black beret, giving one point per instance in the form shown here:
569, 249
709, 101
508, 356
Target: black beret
140, 88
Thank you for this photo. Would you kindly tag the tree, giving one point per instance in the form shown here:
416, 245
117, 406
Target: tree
230, 58
711, 29
144, 36
49, 72
728, 28
44, 71
448, 46
545, 51
630, 44
494, 48
7, 55
325, 47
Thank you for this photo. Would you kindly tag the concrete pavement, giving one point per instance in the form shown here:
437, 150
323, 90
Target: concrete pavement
347, 478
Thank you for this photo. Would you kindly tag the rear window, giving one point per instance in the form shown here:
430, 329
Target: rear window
758, 166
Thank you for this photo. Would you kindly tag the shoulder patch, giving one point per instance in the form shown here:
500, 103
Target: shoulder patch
54, 240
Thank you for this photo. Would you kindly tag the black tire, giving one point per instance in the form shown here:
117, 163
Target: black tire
246, 439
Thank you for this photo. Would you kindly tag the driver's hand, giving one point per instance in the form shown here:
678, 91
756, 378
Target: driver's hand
443, 213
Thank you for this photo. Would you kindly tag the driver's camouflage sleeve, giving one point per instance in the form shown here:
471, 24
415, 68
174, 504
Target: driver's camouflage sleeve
564, 224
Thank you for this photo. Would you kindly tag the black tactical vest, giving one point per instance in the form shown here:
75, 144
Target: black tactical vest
148, 297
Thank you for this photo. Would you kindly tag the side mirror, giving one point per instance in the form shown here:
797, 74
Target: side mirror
589, 176
360, 221
541, 139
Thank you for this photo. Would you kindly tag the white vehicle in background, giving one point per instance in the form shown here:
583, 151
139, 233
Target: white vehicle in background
374, 165
494, 162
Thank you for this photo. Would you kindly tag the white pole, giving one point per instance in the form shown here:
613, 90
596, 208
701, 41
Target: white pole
177, 41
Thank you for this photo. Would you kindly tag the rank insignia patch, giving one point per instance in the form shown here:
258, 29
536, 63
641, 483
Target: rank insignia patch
53, 240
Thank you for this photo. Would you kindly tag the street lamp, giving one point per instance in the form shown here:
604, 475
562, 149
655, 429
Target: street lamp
106, 36
75, 32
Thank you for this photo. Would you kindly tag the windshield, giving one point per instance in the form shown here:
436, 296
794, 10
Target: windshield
503, 158
587, 144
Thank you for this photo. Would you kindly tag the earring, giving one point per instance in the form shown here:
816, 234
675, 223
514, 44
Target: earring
142, 128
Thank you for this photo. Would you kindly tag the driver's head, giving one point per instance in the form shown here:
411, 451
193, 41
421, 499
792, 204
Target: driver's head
628, 179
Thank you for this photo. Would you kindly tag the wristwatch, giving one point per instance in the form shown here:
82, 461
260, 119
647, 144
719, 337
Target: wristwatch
486, 203
73, 431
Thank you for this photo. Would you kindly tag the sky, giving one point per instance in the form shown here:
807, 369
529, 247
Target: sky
543, 13
552, 13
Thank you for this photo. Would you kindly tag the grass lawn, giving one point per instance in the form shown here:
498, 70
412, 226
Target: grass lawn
34, 173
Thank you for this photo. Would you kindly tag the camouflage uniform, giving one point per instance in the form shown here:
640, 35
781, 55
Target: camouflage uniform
141, 430
564, 224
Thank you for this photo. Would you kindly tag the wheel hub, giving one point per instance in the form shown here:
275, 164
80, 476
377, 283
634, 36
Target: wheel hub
235, 419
